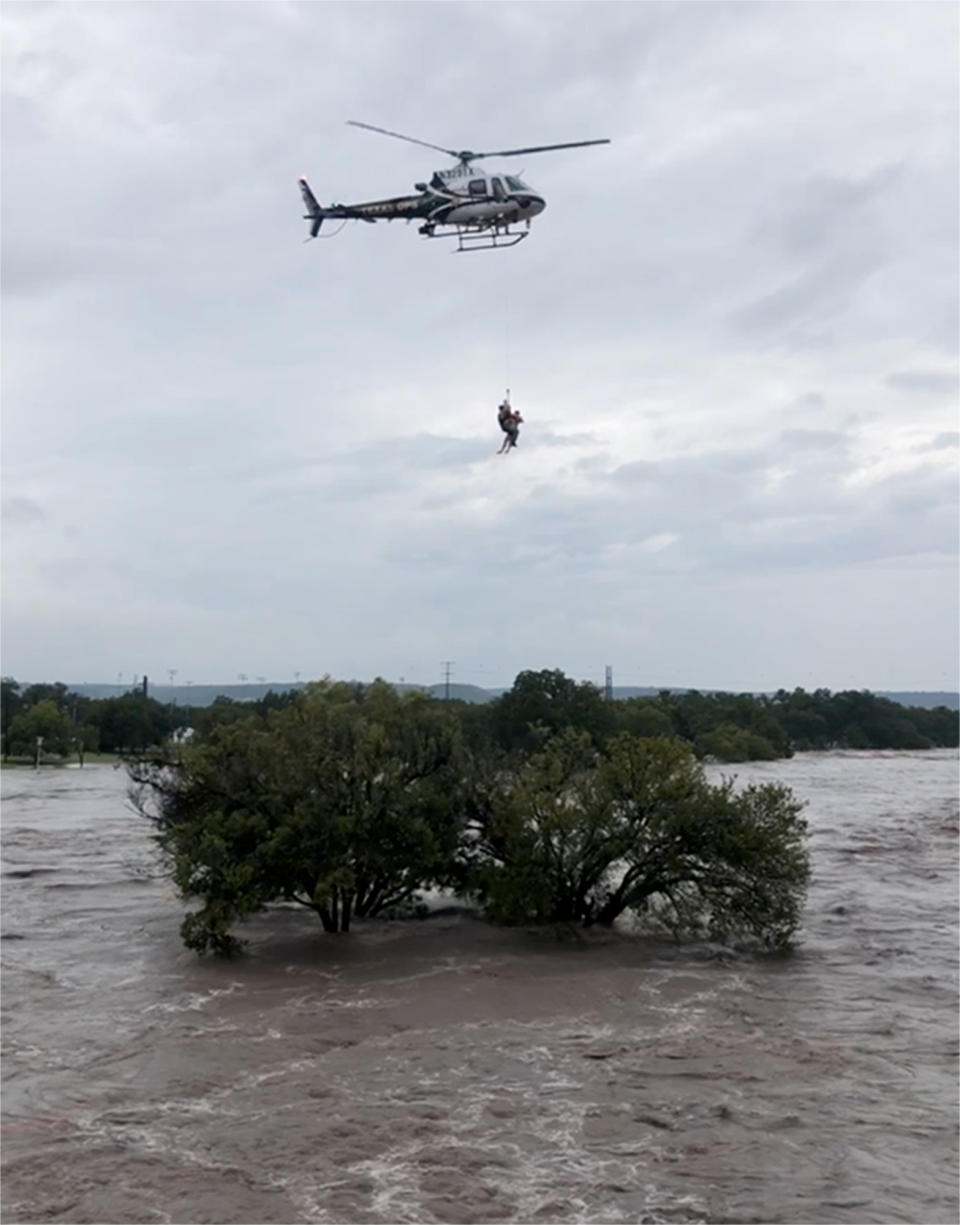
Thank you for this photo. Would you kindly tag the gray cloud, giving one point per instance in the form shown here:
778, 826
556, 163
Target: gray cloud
934, 382
826, 210
948, 440
805, 307
813, 440
22, 511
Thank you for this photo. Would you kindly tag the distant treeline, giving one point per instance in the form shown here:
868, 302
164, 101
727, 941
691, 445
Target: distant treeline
50, 720
203, 694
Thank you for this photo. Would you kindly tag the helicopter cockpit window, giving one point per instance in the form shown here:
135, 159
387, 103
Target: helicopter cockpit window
498, 192
477, 187
515, 184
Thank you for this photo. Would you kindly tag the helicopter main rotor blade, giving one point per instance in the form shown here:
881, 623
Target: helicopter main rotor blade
574, 144
399, 135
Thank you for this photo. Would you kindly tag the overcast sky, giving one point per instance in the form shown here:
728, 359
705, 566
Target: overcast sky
733, 334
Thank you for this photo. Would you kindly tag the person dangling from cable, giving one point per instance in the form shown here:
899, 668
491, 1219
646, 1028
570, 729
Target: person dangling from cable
504, 416
509, 421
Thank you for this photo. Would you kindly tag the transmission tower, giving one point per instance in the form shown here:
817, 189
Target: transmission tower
608, 684
447, 665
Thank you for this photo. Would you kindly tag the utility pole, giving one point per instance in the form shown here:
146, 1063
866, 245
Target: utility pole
447, 665
608, 684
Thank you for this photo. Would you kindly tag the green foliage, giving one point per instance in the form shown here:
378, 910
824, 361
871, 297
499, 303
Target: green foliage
347, 800
539, 843
725, 726
58, 694
12, 703
748, 724
131, 723
577, 835
704, 858
939, 726
476, 725
643, 717
44, 721
85, 739
342, 804
856, 719
727, 742
540, 704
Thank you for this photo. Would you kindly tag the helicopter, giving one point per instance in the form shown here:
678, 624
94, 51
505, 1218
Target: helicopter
477, 209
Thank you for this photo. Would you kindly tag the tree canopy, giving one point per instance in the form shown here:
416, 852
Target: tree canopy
342, 803
347, 801
577, 835
43, 724
540, 704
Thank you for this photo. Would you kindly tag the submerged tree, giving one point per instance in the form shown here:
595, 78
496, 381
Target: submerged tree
574, 834
347, 800
345, 803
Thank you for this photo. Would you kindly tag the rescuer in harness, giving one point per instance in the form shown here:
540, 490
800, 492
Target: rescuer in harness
509, 421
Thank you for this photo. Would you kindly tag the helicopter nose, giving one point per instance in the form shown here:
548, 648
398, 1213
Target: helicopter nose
532, 205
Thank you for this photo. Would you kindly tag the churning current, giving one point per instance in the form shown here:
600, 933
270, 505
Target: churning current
446, 1071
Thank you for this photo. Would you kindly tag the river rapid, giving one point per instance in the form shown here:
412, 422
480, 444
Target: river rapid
445, 1071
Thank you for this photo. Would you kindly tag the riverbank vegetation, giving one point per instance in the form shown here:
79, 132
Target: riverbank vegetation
718, 726
348, 800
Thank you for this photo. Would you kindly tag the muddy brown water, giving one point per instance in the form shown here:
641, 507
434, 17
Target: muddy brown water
446, 1071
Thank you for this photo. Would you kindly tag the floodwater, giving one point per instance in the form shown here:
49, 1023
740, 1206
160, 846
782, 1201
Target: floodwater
445, 1071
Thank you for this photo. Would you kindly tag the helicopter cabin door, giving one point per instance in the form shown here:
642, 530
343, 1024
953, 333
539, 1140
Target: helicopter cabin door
496, 189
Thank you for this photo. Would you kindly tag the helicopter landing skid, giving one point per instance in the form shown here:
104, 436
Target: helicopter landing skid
479, 240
